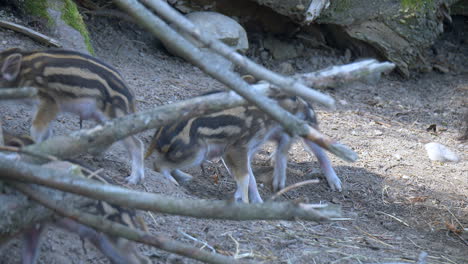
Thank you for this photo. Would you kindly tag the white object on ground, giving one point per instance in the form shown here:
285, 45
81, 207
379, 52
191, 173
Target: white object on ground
439, 152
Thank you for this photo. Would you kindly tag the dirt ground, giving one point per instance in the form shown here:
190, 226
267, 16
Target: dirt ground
399, 202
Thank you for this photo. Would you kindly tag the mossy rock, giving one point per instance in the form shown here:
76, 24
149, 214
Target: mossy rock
398, 30
52, 11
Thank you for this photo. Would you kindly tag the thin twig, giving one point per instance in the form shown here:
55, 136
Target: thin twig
456, 219
461, 238
17, 93
28, 152
94, 173
21, 171
205, 244
394, 217
237, 245
31, 33
293, 186
339, 75
150, 213
116, 229
374, 237
237, 254
449, 260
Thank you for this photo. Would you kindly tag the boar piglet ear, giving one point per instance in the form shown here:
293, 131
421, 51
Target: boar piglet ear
11, 67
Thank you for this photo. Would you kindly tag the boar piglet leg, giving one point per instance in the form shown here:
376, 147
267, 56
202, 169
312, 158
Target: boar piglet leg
254, 195
46, 112
281, 161
135, 147
31, 244
99, 240
333, 181
237, 161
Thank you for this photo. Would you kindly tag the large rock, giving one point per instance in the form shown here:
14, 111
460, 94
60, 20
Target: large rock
219, 27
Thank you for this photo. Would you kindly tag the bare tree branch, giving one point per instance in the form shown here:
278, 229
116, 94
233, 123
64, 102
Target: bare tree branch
116, 229
339, 75
17, 93
291, 123
37, 155
39, 37
18, 213
102, 136
21, 171
288, 85
210, 66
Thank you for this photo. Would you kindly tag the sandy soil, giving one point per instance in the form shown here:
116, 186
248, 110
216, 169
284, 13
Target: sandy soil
399, 201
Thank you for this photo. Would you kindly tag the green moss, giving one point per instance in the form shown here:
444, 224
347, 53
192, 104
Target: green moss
416, 4
73, 18
38, 8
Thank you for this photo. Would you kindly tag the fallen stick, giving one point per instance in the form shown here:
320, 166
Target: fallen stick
290, 122
101, 136
334, 76
210, 66
39, 37
21, 171
291, 187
